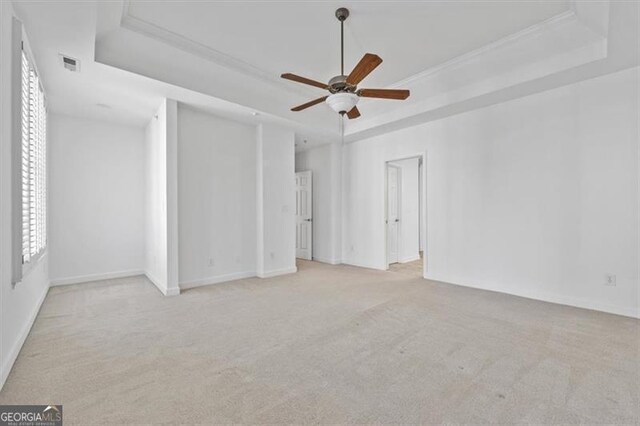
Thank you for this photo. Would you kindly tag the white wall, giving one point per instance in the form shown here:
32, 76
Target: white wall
325, 163
161, 201
216, 198
275, 201
18, 306
155, 199
409, 229
96, 201
536, 197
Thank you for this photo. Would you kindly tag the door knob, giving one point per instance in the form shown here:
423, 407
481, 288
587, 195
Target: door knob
307, 220
397, 220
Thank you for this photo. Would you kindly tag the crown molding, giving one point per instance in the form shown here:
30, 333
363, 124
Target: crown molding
188, 45
496, 67
162, 34
569, 16
584, 12
525, 34
579, 20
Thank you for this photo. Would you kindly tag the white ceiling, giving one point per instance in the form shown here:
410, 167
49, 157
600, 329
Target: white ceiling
108, 93
226, 57
304, 37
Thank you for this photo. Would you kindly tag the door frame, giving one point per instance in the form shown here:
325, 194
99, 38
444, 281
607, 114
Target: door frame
421, 156
386, 209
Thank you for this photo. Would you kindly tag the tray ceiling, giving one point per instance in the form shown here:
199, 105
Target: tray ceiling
303, 37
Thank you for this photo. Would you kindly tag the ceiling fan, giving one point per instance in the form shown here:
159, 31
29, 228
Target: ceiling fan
344, 88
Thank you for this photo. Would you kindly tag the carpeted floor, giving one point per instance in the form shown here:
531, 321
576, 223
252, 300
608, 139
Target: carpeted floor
414, 267
330, 344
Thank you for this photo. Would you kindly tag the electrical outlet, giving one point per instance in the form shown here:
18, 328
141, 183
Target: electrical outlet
610, 280
211, 262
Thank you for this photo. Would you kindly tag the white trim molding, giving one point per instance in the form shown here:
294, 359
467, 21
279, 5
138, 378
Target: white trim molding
139, 25
557, 299
528, 33
372, 265
96, 277
277, 272
173, 291
217, 279
493, 68
327, 260
185, 44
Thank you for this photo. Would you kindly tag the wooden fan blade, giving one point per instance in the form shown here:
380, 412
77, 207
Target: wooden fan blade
354, 113
304, 80
368, 63
309, 104
384, 93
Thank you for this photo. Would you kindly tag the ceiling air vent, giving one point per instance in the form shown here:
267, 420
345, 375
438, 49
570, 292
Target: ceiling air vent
70, 63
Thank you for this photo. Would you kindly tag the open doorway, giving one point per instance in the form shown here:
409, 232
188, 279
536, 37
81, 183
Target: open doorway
405, 213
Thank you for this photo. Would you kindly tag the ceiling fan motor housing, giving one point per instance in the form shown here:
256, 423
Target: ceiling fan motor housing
339, 84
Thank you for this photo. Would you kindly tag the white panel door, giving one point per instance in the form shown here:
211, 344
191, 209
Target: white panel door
393, 212
304, 219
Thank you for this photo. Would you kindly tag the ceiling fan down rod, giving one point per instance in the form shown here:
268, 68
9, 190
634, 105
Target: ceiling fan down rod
342, 14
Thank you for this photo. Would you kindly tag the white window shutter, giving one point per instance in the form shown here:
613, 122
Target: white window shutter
33, 163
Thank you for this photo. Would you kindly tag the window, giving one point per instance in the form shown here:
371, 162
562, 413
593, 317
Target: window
34, 155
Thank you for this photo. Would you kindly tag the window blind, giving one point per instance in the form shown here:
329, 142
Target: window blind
33, 167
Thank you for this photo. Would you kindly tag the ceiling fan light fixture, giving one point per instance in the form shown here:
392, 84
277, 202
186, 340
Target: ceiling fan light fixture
342, 102
344, 88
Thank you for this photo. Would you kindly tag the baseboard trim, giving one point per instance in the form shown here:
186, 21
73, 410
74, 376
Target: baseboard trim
327, 260
217, 279
171, 291
164, 290
277, 272
7, 365
547, 297
95, 277
367, 266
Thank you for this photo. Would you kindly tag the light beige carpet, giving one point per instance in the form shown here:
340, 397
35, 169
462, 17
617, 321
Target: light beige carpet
414, 267
330, 344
